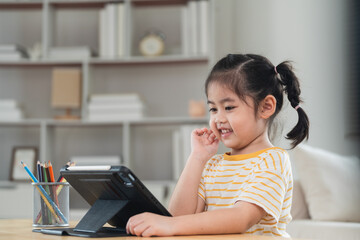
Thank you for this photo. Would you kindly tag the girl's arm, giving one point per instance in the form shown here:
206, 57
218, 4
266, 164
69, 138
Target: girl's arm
230, 220
185, 198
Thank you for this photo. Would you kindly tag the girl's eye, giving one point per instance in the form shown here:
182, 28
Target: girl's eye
212, 110
229, 108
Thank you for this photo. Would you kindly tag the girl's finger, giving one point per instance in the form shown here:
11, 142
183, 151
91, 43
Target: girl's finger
212, 137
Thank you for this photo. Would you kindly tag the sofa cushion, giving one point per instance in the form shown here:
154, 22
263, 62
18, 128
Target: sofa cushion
323, 230
299, 209
331, 183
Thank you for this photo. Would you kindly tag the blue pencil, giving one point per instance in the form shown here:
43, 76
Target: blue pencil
44, 193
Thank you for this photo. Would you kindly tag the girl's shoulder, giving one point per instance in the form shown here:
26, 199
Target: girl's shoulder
275, 150
274, 158
214, 161
216, 158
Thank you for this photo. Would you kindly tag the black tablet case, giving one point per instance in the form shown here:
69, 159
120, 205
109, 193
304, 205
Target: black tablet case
115, 195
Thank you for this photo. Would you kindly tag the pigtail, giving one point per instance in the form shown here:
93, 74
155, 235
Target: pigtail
292, 88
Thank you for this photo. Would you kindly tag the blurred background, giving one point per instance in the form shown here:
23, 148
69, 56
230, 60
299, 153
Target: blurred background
320, 37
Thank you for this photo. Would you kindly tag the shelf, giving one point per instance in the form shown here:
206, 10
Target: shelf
169, 121
103, 61
38, 4
51, 22
158, 2
9, 4
150, 60
39, 63
21, 4
87, 123
22, 123
79, 3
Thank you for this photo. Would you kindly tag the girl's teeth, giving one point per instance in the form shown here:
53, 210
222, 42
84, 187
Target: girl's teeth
225, 131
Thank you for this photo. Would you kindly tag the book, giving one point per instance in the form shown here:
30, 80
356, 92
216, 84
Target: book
8, 103
185, 44
112, 22
111, 14
71, 53
115, 98
193, 27
203, 27
114, 108
11, 56
9, 110
11, 115
115, 116
10, 48
103, 33
121, 28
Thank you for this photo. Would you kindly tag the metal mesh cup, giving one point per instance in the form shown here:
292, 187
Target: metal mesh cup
51, 204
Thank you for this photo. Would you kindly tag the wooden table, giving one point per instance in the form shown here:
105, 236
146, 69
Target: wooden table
21, 229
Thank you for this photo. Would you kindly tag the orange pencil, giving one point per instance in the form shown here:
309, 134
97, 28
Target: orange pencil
52, 179
51, 171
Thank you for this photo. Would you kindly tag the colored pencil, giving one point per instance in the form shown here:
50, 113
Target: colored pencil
42, 210
52, 179
51, 171
58, 189
48, 190
52, 206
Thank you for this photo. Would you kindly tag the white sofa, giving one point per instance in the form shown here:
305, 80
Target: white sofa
326, 195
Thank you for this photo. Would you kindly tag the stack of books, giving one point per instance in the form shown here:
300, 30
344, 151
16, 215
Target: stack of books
71, 53
112, 30
195, 28
10, 111
12, 52
115, 107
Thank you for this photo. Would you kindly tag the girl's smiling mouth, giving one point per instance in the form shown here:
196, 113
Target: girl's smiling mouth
225, 132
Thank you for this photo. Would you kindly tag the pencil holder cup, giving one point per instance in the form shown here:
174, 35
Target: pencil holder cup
51, 204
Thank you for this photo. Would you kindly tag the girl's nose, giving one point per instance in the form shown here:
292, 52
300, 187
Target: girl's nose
220, 119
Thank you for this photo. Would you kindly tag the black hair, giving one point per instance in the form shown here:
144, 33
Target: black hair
255, 76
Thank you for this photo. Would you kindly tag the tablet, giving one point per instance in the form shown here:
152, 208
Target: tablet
114, 193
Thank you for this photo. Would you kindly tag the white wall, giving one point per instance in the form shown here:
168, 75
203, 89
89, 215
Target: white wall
311, 33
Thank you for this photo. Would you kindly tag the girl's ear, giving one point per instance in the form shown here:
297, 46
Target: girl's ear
267, 107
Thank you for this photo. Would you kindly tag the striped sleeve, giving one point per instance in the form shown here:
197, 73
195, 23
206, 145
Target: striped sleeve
266, 188
208, 166
201, 190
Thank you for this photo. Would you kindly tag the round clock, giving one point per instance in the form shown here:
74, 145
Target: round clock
152, 44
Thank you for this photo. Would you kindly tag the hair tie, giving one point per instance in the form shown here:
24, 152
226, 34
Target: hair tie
296, 108
275, 70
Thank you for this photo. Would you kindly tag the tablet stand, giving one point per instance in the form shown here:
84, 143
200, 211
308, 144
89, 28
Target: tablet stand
100, 212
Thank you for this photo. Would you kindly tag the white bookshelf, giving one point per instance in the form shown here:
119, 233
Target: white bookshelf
107, 61
99, 75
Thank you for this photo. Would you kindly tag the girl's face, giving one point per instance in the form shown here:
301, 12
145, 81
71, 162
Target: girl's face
232, 120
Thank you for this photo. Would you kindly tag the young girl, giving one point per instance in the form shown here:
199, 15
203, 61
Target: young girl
249, 189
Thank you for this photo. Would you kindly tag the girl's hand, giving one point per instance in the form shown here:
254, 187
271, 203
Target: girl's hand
204, 143
150, 224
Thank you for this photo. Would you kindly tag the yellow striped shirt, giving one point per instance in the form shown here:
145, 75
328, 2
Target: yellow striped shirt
263, 178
